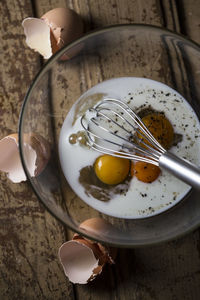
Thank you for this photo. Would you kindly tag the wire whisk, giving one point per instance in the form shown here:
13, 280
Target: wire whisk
113, 128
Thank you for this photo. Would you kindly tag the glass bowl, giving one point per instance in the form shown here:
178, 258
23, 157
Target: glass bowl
116, 51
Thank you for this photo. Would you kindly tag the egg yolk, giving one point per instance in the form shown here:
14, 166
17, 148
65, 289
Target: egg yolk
111, 170
145, 172
161, 128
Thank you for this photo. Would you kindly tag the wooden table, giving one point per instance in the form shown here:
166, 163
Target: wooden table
29, 235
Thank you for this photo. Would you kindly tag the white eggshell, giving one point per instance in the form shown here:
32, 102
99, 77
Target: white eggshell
10, 161
65, 23
37, 34
97, 225
78, 261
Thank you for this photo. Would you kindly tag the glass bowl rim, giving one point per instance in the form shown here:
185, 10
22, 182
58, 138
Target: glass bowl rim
37, 77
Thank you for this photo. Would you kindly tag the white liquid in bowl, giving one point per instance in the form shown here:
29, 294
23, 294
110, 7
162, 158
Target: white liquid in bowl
142, 199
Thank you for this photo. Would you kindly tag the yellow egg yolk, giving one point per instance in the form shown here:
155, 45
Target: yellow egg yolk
111, 170
145, 172
161, 128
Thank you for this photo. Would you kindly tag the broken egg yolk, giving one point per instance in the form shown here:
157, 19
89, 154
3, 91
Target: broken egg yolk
111, 170
145, 172
160, 127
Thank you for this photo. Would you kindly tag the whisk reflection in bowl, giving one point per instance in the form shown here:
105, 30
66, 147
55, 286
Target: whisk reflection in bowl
113, 128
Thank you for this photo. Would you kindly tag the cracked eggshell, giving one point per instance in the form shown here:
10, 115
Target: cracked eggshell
72, 255
38, 37
10, 161
96, 225
56, 28
79, 262
36, 153
65, 24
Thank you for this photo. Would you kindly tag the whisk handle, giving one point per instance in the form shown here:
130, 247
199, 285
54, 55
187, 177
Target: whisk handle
181, 168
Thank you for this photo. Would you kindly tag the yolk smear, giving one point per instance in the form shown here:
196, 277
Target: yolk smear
161, 128
145, 172
111, 170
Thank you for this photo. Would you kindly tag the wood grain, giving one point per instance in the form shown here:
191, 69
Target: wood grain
29, 235
189, 14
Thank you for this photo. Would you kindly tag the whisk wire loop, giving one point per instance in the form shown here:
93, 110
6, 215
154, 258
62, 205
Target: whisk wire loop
139, 145
134, 117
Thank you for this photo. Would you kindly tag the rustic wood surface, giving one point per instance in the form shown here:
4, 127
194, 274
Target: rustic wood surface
29, 235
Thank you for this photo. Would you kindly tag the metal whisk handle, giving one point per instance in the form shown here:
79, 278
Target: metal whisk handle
181, 168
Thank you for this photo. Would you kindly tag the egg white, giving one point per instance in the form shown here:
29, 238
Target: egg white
141, 200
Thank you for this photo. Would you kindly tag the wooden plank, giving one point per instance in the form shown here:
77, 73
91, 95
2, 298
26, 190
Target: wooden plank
189, 14
170, 15
104, 13
29, 235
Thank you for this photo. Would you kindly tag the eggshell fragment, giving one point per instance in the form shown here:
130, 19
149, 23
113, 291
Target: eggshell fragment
78, 261
95, 258
37, 34
96, 225
36, 153
10, 161
56, 28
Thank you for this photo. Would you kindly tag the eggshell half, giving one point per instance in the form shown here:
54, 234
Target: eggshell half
78, 261
56, 28
96, 225
73, 266
66, 25
36, 154
10, 161
37, 34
